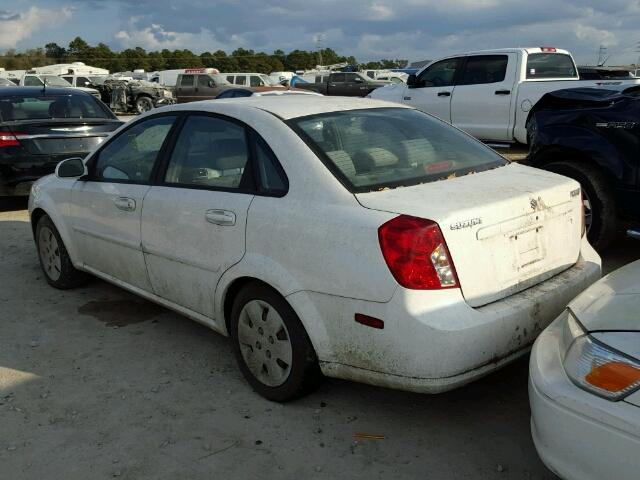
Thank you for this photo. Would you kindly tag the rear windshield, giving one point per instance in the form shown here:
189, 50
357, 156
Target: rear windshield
550, 65
40, 107
372, 149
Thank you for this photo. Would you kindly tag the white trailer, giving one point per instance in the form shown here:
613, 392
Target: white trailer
75, 68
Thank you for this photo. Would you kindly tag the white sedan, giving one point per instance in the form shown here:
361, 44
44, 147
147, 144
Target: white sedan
584, 384
340, 236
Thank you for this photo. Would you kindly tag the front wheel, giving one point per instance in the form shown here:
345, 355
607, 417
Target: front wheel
600, 213
54, 259
143, 104
271, 346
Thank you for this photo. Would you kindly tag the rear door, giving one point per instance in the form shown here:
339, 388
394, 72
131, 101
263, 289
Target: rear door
106, 209
193, 222
434, 87
481, 103
185, 89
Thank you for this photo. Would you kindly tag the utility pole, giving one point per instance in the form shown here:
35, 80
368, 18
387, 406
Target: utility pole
319, 39
602, 56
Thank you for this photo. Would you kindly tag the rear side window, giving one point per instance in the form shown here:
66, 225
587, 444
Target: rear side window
32, 82
484, 69
210, 152
130, 157
373, 149
271, 178
186, 81
550, 65
337, 77
241, 80
43, 107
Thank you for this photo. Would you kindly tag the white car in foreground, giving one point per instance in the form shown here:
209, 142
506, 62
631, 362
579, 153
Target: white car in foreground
357, 238
584, 383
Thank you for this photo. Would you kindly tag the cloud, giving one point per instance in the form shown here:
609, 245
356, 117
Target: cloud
15, 27
371, 29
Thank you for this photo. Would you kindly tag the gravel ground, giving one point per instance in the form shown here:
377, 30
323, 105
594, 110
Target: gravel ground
97, 383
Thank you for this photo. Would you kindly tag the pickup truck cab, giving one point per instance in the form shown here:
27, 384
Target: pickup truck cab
192, 87
346, 84
489, 94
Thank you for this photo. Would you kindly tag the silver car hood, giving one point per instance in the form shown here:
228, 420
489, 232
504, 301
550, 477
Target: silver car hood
612, 303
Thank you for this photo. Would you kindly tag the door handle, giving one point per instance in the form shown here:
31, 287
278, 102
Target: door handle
503, 92
125, 203
220, 217
444, 94
406, 98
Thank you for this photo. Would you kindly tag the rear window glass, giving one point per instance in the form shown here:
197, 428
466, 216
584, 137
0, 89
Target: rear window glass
20, 107
371, 149
550, 65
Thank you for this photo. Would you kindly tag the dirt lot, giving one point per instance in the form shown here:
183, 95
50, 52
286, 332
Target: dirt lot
97, 383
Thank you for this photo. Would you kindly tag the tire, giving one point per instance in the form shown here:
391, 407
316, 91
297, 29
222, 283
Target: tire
143, 104
271, 346
603, 225
54, 258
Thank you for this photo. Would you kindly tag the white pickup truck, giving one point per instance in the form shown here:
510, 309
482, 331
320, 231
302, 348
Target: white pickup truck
489, 93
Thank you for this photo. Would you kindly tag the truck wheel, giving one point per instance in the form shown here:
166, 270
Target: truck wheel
271, 346
601, 219
54, 258
143, 104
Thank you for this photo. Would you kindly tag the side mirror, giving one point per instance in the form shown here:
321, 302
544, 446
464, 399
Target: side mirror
71, 168
412, 81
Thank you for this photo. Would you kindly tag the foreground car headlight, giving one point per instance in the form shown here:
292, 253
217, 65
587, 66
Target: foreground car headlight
597, 368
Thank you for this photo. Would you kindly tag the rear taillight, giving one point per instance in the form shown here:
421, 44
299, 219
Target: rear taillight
8, 139
416, 253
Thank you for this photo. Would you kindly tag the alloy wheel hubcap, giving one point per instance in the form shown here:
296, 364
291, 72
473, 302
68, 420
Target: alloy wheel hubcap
50, 254
265, 343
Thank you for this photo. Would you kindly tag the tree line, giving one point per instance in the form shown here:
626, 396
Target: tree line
240, 60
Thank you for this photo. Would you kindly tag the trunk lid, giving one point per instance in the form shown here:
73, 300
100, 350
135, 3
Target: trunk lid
51, 137
507, 229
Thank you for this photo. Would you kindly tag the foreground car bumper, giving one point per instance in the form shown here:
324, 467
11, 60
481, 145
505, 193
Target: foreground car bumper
434, 341
16, 177
577, 434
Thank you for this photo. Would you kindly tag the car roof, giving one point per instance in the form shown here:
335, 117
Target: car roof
291, 106
39, 90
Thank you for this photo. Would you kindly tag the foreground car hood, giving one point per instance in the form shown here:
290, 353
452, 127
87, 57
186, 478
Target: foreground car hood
612, 303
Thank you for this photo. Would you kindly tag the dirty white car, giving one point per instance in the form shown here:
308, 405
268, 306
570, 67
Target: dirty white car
584, 383
349, 237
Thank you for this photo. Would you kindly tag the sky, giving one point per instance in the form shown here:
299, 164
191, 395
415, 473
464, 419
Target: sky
367, 29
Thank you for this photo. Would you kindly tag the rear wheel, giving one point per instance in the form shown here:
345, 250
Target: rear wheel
143, 104
54, 259
601, 220
271, 346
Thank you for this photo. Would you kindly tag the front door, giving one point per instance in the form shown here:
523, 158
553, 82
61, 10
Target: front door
193, 221
433, 89
481, 104
106, 208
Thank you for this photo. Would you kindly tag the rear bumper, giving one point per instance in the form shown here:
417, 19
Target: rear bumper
434, 341
579, 436
17, 175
